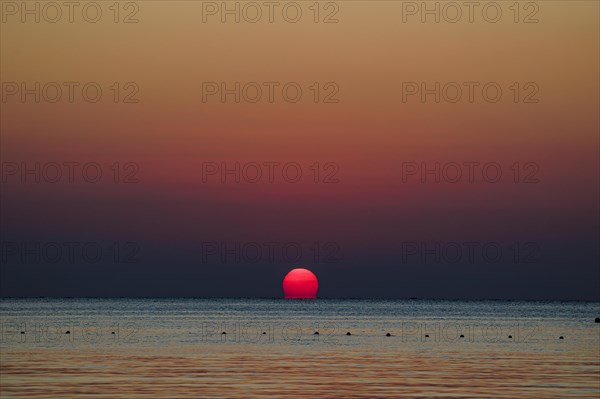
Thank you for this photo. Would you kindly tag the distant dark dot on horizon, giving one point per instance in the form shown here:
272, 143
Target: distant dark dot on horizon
112, 332
597, 320
561, 337
264, 333
223, 332
388, 335
348, 333
316, 333
426, 335
462, 336
510, 336
68, 332
22, 332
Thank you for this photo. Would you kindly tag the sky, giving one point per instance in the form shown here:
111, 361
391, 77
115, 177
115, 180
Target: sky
169, 150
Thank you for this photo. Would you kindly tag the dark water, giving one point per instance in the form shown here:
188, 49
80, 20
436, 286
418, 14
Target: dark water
159, 348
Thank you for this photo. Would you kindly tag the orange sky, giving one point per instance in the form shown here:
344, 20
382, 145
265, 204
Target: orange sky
366, 58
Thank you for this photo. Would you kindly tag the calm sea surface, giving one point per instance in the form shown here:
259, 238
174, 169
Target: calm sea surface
175, 348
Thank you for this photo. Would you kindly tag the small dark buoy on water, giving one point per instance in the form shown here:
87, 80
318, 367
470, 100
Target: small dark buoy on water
348, 333
561, 337
68, 332
597, 320
388, 335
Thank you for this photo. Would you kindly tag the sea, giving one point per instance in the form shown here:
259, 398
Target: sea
277, 348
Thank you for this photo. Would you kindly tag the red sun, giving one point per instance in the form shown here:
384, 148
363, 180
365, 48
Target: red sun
300, 284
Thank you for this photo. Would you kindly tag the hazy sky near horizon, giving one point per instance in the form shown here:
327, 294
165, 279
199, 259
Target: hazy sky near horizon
393, 157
